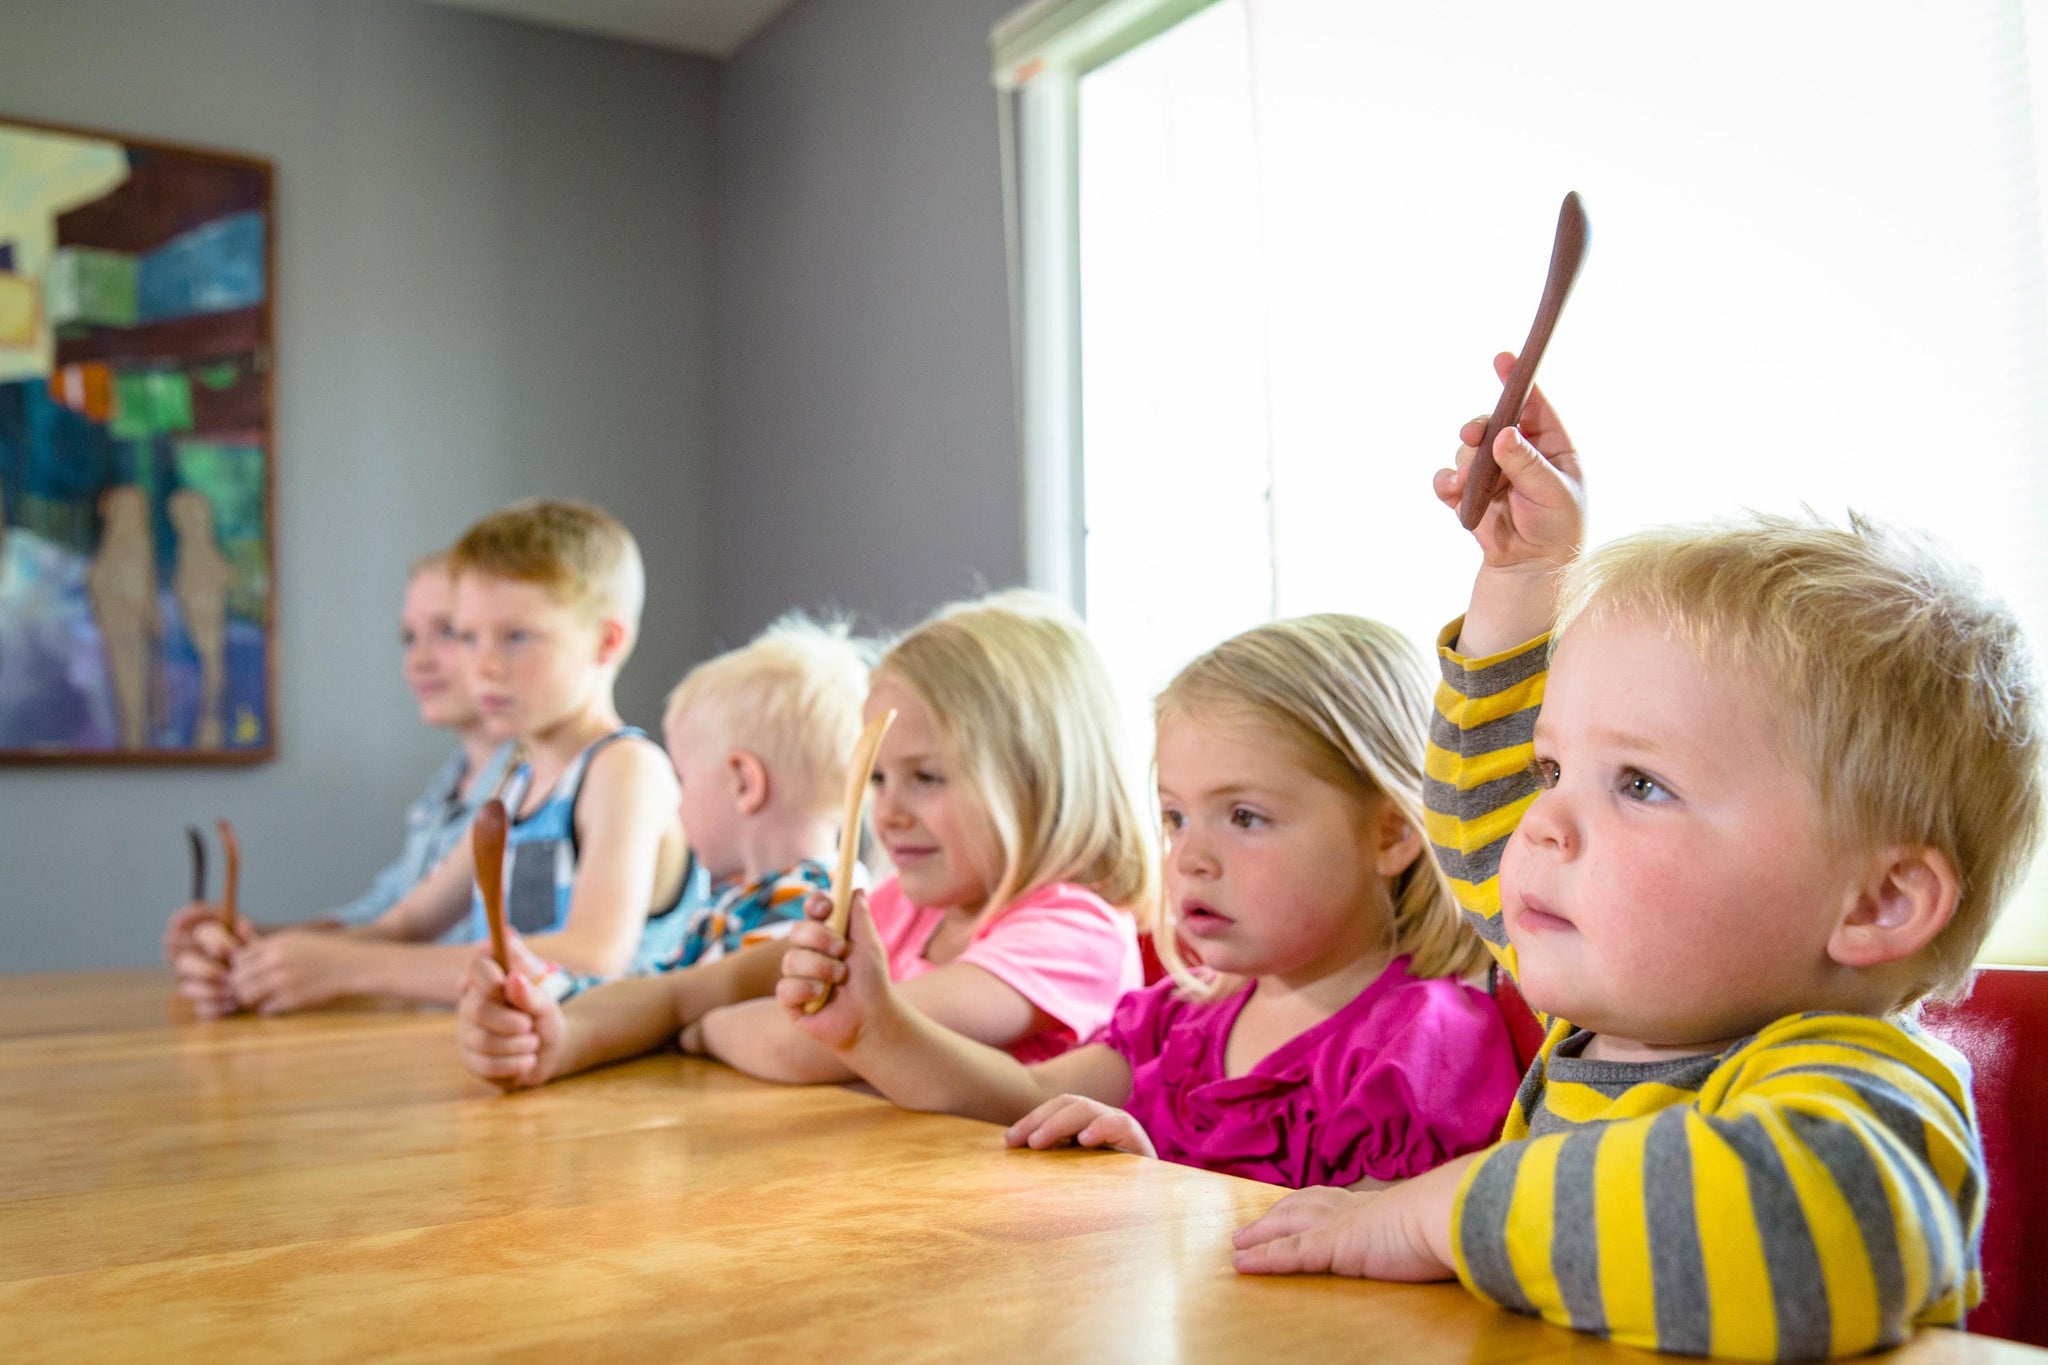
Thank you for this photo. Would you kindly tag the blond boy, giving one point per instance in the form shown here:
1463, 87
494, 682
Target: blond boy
548, 597
1764, 789
760, 738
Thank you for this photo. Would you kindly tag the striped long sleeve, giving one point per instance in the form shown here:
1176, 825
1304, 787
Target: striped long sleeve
1816, 1190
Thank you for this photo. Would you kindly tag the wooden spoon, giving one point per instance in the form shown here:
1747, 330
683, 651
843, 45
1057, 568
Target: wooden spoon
858, 771
487, 838
1567, 253
233, 856
198, 842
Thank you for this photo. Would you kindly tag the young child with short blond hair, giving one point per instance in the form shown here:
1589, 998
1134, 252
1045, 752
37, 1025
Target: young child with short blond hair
548, 597
1727, 800
760, 737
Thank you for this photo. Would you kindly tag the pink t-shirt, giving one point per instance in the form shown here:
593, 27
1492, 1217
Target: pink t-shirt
1408, 1075
1062, 947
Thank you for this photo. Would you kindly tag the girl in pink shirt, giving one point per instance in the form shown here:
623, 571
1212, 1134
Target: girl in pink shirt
1318, 1026
1003, 797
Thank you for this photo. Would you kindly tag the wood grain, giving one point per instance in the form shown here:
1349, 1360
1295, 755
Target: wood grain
331, 1186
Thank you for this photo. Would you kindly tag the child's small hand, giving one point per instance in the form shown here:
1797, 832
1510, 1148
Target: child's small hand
1082, 1121
1538, 516
291, 970
203, 961
1339, 1232
183, 924
509, 1030
853, 967
1401, 1232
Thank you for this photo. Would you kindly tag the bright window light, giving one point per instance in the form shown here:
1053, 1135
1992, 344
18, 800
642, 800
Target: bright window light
1815, 279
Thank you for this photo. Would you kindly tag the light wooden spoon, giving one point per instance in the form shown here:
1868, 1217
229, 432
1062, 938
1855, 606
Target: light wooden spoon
487, 841
234, 879
858, 772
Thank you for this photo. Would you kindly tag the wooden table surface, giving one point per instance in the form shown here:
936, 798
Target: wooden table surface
333, 1187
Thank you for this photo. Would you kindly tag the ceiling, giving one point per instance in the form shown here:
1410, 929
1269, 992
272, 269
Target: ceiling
712, 28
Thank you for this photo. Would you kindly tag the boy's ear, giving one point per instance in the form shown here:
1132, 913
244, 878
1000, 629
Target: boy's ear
613, 638
749, 778
1397, 843
1908, 897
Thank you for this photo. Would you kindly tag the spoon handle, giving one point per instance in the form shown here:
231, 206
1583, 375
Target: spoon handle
858, 771
1567, 253
193, 837
487, 839
234, 878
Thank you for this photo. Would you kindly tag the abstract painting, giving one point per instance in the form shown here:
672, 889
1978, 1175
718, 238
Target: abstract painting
136, 611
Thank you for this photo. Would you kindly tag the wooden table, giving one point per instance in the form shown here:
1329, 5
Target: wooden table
333, 1187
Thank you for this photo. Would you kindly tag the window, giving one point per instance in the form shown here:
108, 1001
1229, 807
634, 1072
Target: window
1297, 230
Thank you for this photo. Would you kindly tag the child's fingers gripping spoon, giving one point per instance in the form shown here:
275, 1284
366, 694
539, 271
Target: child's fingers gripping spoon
1567, 253
233, 856
857, 774
487, 836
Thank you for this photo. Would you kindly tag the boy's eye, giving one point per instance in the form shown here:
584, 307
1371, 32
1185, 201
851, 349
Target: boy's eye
1638, 785
447, 633
1245, 818
406, 638
1545, 771
1172, 819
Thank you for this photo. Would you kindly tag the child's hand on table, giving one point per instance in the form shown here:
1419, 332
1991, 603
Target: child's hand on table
510, 1030
853, 968
1401, 1232
1082, 1121
293, 969
203, 957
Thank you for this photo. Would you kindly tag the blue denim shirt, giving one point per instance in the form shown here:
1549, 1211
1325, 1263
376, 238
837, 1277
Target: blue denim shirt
434, 824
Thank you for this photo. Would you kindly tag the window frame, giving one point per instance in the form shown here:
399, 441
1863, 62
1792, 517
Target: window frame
1040, 53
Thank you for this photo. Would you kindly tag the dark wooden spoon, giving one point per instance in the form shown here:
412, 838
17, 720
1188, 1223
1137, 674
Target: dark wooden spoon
1567, 253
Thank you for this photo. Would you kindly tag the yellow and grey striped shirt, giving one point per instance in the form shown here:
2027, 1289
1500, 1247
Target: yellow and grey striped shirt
1814, 1190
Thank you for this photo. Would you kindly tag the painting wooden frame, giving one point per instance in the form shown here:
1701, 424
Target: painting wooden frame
137, 463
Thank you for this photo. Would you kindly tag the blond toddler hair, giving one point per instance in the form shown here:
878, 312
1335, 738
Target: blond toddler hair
1906, 692
792, 697
1352, 697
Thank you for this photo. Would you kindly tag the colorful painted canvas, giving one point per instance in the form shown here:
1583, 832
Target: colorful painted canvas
136, 613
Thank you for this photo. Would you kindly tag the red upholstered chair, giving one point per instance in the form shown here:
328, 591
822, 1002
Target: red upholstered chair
1149, 955
2003, 1029
1523, 1030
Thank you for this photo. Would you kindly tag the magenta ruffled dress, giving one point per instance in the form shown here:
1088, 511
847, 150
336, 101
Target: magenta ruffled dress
1408, 1075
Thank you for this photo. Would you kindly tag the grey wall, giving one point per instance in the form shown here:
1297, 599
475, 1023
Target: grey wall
494, 251
867, 449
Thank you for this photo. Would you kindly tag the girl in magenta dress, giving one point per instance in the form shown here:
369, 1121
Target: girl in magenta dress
1319, 1024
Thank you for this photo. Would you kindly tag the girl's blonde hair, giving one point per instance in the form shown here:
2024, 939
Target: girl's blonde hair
1353, 696
1023, 704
